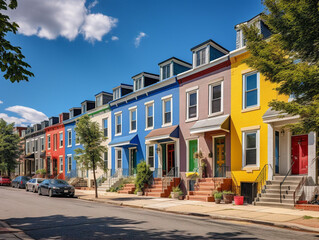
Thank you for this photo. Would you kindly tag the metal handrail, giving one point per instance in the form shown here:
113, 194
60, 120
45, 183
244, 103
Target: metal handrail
288, 172
261, 178
299, 187
168, 177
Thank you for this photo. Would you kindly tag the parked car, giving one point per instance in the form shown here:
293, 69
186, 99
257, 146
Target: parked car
53, 187
5, 181
33, 184
19, 182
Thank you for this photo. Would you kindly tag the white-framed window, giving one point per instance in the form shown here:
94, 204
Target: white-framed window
251, 90
69, 157
61, 139
49, 141
150, 153
118, 123
216, 98
251, 148
36, 144
192, 100
167, 107
133, 119
69, 137
99, 101
201, 57
42, 143
138, 84
117, 93
61, 163
118, 154
166, 71
149, 115
106, 159
105, 127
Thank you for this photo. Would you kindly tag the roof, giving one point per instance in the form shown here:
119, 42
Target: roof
253, 18
143, 73
104, 93
124, 85
209, 41
87, 101
211, 124
163, 133
123, 141
174, 58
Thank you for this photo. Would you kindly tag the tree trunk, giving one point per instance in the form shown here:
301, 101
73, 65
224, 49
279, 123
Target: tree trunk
95, 183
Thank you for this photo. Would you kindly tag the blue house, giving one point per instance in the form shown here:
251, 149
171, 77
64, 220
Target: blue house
145, 119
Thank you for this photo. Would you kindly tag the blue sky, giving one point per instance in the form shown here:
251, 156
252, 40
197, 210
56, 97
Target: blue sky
74, 57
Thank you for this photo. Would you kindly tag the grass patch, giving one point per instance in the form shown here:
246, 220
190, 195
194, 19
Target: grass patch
307, 217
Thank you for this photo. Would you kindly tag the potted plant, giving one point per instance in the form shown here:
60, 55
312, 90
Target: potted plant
143, 177
203, 167
139, 192
218, 197
228, 196
176, 193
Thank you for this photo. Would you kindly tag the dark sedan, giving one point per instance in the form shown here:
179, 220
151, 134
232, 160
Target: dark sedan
54, 187
19, 182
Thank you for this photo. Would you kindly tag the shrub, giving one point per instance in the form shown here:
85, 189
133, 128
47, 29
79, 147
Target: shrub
218, 195
41, 171
143, 175
228, 192
178, 190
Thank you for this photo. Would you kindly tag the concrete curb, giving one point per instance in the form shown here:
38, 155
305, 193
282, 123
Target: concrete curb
226, 218
17, 233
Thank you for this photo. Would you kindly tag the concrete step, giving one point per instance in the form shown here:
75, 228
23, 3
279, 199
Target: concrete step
200, 198
269, 195
126, 191
276, 200
287, 182
277, 191
283, 187
153, 190
271, 204
292, 177
154, 194
202, 193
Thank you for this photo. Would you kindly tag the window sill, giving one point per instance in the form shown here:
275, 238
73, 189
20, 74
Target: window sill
61, 147
77, 144
167, 125
191, 119
251, 168
69, 145
132, 131
119, 134
215, 114
148, 129
250, 109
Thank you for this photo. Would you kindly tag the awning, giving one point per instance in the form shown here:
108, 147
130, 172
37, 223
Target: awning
30, 155
123, 141
211, 124
161, 134
272, 115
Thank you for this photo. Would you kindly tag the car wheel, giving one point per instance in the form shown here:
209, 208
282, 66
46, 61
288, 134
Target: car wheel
18, 186
39, 191
71, 195
33, 190
50, 193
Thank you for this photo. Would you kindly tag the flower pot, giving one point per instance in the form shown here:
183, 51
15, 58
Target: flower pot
139, 193
239, 200
228, 197
175, 195
217, 201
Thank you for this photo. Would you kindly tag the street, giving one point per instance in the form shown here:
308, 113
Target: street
42, 217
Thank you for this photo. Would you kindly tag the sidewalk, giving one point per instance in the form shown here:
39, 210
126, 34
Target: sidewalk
8, 233
279, 217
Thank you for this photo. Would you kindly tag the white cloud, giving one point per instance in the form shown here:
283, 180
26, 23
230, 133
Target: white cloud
115, 38
1, 102
28, 116
53, 18
139, 38
93, 4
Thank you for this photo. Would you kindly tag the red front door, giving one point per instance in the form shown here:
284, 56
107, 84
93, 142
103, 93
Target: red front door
170, 157
299, 153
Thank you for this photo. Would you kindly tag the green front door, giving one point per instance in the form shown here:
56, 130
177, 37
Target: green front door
192, 148
220, 164
163, 159
133, 161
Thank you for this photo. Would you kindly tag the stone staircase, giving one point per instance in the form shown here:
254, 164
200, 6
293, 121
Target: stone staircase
204, 188
108, 183
128, 188
162, 187
270, 194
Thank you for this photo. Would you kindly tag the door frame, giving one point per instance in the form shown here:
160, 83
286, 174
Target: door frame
130, 155
213, 148
187, 151
291, 159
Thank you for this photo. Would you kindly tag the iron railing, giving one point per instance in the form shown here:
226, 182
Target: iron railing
262, 178
235, 186
220, 171
288, 172
169, 177
298, 190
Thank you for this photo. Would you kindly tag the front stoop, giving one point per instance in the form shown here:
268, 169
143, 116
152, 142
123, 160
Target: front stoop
270, 194
128, 189
160, 189
205, 187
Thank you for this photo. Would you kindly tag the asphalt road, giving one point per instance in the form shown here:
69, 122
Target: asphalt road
42, 217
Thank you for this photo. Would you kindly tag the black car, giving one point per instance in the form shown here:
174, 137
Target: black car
53, 187
19, 182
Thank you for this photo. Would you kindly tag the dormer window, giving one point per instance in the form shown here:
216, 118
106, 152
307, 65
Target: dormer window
116, 93
99, 101
166, 71
138, 84
83, 108
201, 57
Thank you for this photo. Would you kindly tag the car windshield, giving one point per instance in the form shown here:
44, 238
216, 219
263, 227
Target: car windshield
58, 181
40, 180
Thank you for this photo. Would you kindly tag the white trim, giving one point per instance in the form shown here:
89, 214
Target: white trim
210, 95
61, 156
69, 170
165, 99
187, 105
116, 157
244, 133
60, 139
244, 90
131, 110
116, 116
192, 89
117, 113
238, 51
49, 136
69, 130
150, 103
147, 155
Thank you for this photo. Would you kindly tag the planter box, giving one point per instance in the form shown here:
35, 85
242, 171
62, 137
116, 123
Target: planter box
217, 201
228, 198
175, 195
139, 193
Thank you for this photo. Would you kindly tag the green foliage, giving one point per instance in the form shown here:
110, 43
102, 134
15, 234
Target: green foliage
91, 137
290, 57
9, 147
41, 171
218, 195
178, 190
227, 192
114, 189
143, 175
11, 57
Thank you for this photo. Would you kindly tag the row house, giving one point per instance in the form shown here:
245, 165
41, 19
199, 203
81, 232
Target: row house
19, 170
34, 148
55, 146
145, 122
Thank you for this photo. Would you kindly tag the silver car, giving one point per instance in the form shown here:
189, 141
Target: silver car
32, 185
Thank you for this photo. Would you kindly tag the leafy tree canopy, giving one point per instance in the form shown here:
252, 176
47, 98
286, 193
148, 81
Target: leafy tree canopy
11, 57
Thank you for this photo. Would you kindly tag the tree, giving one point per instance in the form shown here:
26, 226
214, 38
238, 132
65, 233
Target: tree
290, 57
91, 137
143, 176
11, 57
9, 147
